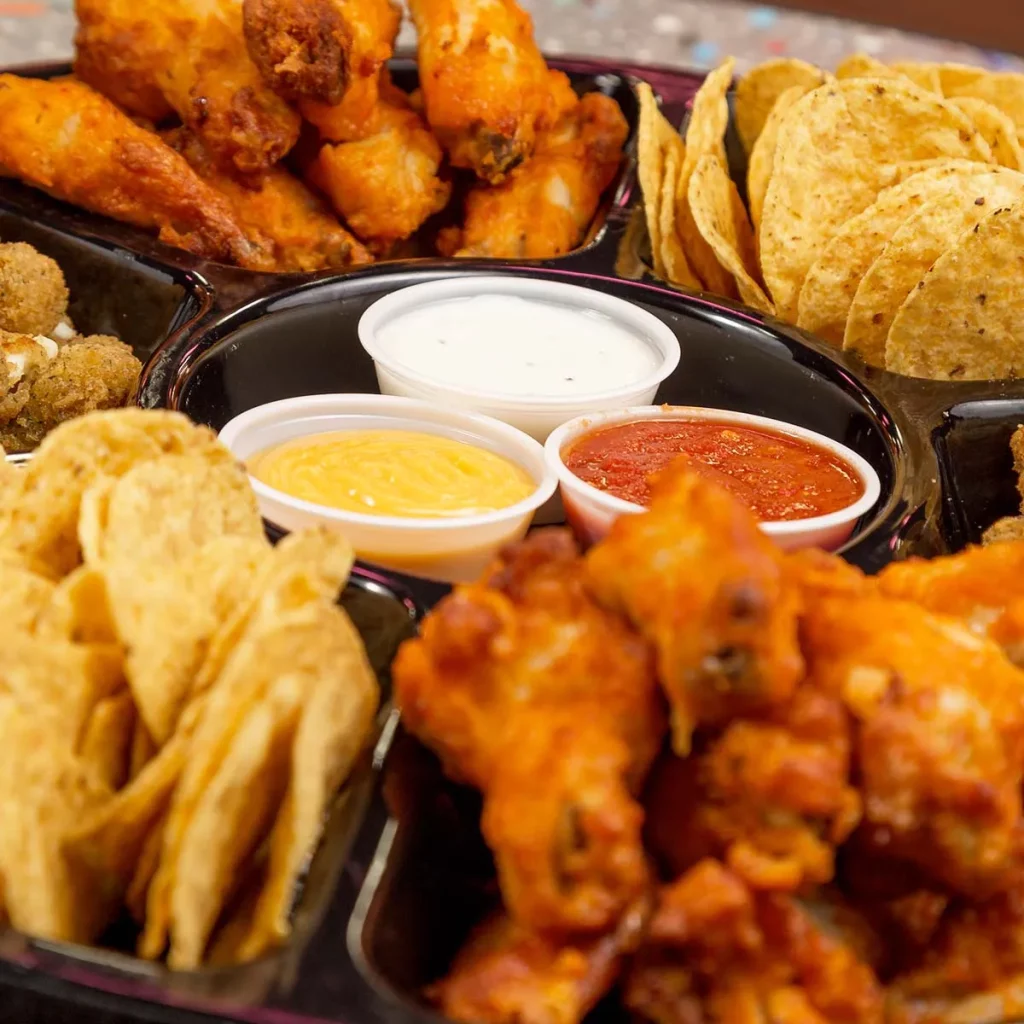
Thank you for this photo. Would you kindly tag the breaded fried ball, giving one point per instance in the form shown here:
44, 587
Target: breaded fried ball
21, 359
33, 294
89, 373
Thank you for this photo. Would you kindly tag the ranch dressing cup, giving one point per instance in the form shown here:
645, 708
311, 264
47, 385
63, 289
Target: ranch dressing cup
531, 353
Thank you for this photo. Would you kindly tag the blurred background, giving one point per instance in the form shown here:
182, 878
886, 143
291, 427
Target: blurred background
685, 32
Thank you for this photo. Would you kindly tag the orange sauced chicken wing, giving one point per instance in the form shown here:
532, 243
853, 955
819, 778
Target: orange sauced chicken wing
67, 140
544, 207
701, 582
940, 735
548, 704
486, 88
302, 232
193, 54
386, 184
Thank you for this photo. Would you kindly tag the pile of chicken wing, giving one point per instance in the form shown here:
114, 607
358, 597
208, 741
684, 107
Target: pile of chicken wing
737, 786
268, 133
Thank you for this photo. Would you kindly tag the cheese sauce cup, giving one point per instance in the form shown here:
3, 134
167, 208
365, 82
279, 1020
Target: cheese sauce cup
532, 353
775, 452
450, 544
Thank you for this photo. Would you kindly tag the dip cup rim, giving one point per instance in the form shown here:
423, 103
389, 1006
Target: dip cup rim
581, 425
408, 409
654, 331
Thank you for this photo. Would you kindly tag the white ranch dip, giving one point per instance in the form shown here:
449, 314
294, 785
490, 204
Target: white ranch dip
523, 348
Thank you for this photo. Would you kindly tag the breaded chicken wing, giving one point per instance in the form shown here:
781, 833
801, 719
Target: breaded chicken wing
193, 54
544, 207
387, 184
716, 953
327, 56
548, 704
486, 88
981, 586
506, 974
66, 139
302, 233
706, 587
940, 735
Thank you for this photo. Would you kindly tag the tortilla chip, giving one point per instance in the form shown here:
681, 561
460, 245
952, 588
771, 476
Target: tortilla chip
79, 610
831, 283
838, 147
336, 723
677, 270
915, 246
996, 129
145, 868
962, 321
920, 73
861, 65
760, 88
1003, 89
953, 77
722, 221
231, 817
106, 743
651, 170
762, 156
24, 596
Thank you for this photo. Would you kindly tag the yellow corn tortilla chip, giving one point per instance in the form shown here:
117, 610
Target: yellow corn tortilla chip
145, 868
962, 321
231, 817
722, 221
107, 740
762, 156
677, 270
759, 89
996, 129
831, 283
861, 65
1003, 89
920, 73
651, 170
336, 723
954, 76
44, 792
79, 610
24, 596
915, 246
838, 147
705, 135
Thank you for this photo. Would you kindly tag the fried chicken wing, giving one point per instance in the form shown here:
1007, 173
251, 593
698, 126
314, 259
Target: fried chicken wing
981, 586
548, 704
303, 234
544, 207
707, 588
326, 55
192, 53
486, 88
716, 953
387, 184
66, 139
506, 974
940, 727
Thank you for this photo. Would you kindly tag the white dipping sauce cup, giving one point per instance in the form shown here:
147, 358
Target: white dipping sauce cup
592, 511
451, 550
534, 415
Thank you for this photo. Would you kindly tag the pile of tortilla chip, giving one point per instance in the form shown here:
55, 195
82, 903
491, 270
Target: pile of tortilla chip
179, 700
884, 213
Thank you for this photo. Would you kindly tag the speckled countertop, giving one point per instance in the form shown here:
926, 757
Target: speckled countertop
696, 33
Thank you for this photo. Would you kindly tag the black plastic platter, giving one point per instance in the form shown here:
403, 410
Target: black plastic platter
402, 873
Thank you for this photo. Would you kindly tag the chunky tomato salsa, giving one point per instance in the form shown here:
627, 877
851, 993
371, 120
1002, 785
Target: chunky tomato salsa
776, 476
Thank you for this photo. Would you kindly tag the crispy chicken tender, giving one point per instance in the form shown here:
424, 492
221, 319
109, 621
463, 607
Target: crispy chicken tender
89, 373
275, 206
548, 704
707, 588
940, 727
773, 798
66, 139
193, 53
33, 294
506, 974
387, 184
544, 207
486, 88
716, 953
327, 55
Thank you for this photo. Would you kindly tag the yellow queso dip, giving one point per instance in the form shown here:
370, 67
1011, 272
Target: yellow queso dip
392, 473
